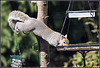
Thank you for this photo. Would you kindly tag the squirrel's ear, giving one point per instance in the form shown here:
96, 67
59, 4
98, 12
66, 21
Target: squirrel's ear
62, 36
65, 36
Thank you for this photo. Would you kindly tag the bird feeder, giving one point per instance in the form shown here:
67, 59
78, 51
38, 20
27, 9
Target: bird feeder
16, 60
84, 13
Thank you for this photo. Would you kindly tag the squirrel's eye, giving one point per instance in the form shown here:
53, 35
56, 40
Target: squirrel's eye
64, 42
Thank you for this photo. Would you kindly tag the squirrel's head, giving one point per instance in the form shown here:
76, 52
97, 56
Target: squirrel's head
64, 41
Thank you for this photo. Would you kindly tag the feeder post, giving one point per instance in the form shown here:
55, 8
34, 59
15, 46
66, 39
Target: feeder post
44, 46
83, 53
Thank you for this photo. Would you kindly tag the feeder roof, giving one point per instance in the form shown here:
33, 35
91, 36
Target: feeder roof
16, 56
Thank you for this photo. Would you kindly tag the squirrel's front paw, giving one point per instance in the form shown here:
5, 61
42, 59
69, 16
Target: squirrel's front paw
16, 30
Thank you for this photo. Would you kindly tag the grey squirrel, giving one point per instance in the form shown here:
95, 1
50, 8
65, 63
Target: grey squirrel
21, 21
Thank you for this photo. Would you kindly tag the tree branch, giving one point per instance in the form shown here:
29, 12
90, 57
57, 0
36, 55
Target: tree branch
42, 15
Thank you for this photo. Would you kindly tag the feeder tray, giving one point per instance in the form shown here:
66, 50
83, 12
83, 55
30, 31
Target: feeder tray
16, 60
77, 14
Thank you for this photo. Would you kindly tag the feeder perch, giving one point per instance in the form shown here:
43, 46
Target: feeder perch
84, 13
16, 60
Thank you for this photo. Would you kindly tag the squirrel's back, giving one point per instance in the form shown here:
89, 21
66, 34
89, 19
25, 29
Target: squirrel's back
21, 21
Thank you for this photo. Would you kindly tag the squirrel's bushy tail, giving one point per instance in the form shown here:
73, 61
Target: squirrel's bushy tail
18, 15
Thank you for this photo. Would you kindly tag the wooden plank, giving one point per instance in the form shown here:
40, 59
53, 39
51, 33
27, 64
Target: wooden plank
79, 47
77, 14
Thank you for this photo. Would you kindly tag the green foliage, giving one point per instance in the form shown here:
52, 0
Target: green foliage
26, 4
91, 58
7, 36
77, 60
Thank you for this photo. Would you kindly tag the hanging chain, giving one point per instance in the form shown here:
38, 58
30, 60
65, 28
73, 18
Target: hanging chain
19, 50
64, 21
15, 42
17, 45
65, 17
69, 21
63, 24
93, 17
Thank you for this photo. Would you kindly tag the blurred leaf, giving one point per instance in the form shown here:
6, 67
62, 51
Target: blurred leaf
54, 3
3, 59
80, 18
3, 50
91, 23
13, 49
22, 7
28, 52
